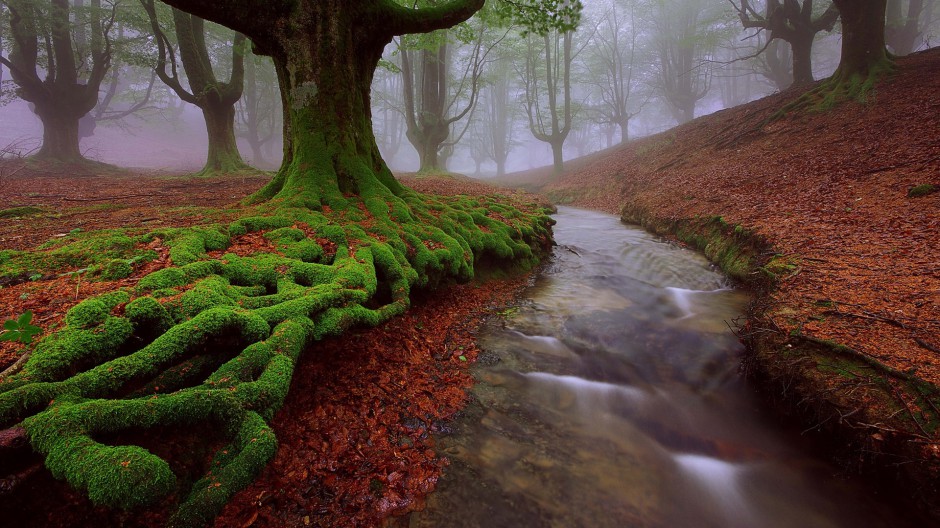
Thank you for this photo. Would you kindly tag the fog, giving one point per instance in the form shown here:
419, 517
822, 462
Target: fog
508, 101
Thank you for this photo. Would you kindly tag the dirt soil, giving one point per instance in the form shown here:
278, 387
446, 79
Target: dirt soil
354, 436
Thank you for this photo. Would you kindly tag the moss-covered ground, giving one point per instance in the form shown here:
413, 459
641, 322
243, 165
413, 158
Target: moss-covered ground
211, 340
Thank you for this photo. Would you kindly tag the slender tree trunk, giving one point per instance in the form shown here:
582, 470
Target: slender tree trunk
558, 159
501, 167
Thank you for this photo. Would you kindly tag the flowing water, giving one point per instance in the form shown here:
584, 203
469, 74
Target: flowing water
612, 398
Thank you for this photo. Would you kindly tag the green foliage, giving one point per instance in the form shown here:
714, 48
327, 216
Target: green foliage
922, 190
540, 16
79, 250
20, 329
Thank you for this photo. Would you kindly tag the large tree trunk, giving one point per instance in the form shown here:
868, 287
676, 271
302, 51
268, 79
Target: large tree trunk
802, 49
863, 37
326, 81
60, 140
223, 154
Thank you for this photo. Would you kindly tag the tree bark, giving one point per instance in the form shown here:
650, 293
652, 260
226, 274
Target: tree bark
60, 139
223, 156
863, 37
801, 47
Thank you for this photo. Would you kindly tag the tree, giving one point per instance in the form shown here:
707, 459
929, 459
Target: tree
497, 118
215, 98
388, 99
904, 30
431, 99
44, 38
549, 118
616, 52
681, 44
794, 22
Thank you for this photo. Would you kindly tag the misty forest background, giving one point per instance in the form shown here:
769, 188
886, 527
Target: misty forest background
480, 99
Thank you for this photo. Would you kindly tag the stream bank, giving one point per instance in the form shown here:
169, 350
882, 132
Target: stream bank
612, 397
844, 334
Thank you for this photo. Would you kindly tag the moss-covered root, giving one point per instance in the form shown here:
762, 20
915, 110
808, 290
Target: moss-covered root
213, 342
843, 86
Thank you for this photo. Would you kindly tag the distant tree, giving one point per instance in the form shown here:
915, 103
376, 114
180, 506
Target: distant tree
795, 21
776, 63
434, 102
257, 112
497, 116
58, 60
546, 77
613, 69
904, 29
388, 105
215, 98
681, 41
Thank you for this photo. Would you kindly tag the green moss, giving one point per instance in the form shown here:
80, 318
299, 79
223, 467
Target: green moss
215, 341
20, 212
116, 269
922, 190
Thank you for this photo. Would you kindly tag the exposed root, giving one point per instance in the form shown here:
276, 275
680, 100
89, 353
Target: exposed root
135, 359
840, 88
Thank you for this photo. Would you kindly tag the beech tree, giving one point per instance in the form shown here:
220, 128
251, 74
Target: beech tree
904, 30
433, 102
794, 21
864, 56
215, 98
615, 74
681, 46
55, 70
546, 78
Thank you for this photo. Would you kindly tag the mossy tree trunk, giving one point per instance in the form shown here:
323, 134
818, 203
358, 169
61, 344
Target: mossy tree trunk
325, 53
863, 38
60, 97
864, 58
216, 99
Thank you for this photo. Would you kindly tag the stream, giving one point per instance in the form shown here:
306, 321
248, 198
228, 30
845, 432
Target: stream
612, 398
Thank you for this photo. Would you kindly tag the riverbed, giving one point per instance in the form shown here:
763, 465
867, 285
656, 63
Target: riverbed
612, 397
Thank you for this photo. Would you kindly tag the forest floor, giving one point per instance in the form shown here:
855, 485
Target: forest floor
829, 192
402, 380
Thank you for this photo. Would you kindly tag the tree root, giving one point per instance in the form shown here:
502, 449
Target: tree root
121, 360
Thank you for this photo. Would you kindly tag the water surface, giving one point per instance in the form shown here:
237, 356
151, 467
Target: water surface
612, 398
